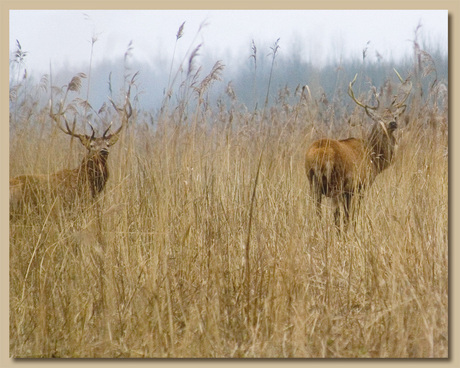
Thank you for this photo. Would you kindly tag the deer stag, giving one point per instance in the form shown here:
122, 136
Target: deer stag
341, 169
70, 186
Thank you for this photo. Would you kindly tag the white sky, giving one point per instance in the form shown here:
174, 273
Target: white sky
63, 36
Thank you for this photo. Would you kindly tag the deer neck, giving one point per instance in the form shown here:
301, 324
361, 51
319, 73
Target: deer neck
380, 150
95, 173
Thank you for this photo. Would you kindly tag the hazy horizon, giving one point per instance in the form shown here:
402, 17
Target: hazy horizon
62, 38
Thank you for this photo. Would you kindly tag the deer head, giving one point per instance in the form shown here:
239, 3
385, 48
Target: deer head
381, 141
341, 168
95, 145
93, 171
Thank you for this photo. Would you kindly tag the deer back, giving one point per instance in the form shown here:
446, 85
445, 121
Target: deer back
337, 165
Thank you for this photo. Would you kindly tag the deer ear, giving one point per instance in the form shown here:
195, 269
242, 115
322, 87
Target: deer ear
85, 140
113, 139
400, 111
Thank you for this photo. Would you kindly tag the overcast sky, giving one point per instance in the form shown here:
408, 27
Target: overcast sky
63, 37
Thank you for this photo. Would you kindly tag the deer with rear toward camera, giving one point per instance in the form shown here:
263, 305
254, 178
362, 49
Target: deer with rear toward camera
343, 169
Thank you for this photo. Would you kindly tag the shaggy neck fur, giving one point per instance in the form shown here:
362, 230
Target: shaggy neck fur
381, 147
96, 173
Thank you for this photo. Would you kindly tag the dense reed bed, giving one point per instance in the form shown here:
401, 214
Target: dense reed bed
205, 241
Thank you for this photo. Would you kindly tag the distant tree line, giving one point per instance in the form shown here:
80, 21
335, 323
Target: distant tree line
248, 79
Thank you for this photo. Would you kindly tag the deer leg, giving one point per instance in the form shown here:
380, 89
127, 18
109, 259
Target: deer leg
347, 209
318, 203
316, 194
337, 213
337, 217
318, 207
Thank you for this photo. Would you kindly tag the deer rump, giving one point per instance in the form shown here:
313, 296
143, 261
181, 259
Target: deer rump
338, 169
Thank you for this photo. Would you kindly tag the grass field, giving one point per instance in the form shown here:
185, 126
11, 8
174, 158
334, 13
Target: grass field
205, 242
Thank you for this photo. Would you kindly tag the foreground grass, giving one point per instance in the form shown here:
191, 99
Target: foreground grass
188, 255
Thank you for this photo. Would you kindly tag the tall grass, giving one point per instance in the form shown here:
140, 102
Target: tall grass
211, 247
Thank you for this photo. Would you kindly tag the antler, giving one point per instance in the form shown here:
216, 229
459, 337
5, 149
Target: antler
125, 112
56, 118
366, 107
105, 132
92, 129
401, 104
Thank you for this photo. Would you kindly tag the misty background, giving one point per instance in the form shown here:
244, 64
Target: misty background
288, 49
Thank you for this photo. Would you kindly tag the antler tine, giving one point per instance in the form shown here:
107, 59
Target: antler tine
117, 109
128, 96
106, 131
125, 112
402, 102
92, 129
128, 114
352, 95
121, 110
56, 119
406, 96
125, 118
399, 76
70, 131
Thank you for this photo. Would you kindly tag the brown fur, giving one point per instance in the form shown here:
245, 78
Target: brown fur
339, 169
66, 186
70, 187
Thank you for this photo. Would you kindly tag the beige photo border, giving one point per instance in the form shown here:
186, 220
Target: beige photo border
453, 8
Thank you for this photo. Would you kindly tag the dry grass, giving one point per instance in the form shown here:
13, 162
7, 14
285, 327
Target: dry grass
205, 242
159, 267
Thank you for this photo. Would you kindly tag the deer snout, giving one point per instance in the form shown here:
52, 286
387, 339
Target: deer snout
392, 126
104, 152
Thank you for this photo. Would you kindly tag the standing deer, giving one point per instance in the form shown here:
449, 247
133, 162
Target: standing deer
341, 169
70, 186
